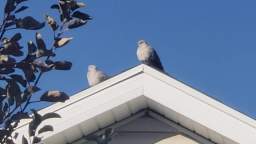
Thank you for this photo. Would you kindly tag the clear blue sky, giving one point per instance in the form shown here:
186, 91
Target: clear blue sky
210, 45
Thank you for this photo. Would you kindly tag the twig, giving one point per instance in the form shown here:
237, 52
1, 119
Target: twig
9, 114
34, 102
2, 28
10, 29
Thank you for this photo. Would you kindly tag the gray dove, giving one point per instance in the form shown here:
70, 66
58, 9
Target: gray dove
95, 76
147, 55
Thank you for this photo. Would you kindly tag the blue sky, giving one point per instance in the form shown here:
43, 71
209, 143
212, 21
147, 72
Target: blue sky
207, 44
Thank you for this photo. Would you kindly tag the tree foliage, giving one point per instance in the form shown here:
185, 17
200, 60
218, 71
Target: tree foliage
21, 68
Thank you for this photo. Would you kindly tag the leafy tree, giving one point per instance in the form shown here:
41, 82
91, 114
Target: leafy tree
21, 68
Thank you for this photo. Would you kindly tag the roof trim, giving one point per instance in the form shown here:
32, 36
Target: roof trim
145, 83
189, 90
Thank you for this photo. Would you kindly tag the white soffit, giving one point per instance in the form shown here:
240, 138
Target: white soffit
144, 87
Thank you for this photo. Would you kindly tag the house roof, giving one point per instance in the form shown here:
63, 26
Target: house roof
144, 87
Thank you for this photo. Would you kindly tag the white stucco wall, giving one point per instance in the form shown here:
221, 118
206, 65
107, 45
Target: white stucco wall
178, 139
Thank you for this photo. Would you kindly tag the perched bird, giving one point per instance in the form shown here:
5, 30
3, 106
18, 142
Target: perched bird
147, 55
95, 76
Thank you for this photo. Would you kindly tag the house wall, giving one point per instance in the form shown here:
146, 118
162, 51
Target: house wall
178, 139
147, 130
144, 130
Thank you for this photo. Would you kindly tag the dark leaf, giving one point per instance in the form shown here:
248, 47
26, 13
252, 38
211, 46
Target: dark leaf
11, 47
40, 42
36, 115
10, 20
64, 11
8, 123
54, 96
10, 101
16, 135
60, 42
28, 70
37, 119
3, 77
49, 62
20, 115
51, 22
32, 49
13, 91
10, 6
46, 128
29, 23
29, 91
24, 140
9, 141
75, 5
6, 60
75, 23
32, 89
62, 65
2, 92
6, 106
41, 47
36, 140
3, 132
55, 6
81, 15
16, 37
50, 115
19, 79
6, 70
10, 17
10, 23
29, 74
21, 9
41, 53
2, 115
43, 66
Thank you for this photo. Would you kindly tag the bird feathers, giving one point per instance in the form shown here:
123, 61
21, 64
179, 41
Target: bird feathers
154, 61
147, 55
95, 76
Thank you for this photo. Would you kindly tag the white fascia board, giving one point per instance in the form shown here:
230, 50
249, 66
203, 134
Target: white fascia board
166, 91
198, 95
199, 107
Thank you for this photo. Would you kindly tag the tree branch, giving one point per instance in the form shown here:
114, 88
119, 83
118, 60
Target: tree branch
2, 28
39, 76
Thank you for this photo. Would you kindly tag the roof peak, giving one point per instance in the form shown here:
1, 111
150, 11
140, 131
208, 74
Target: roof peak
141, 87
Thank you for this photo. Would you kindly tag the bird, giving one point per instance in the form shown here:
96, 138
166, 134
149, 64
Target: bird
95, 76
147, 55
